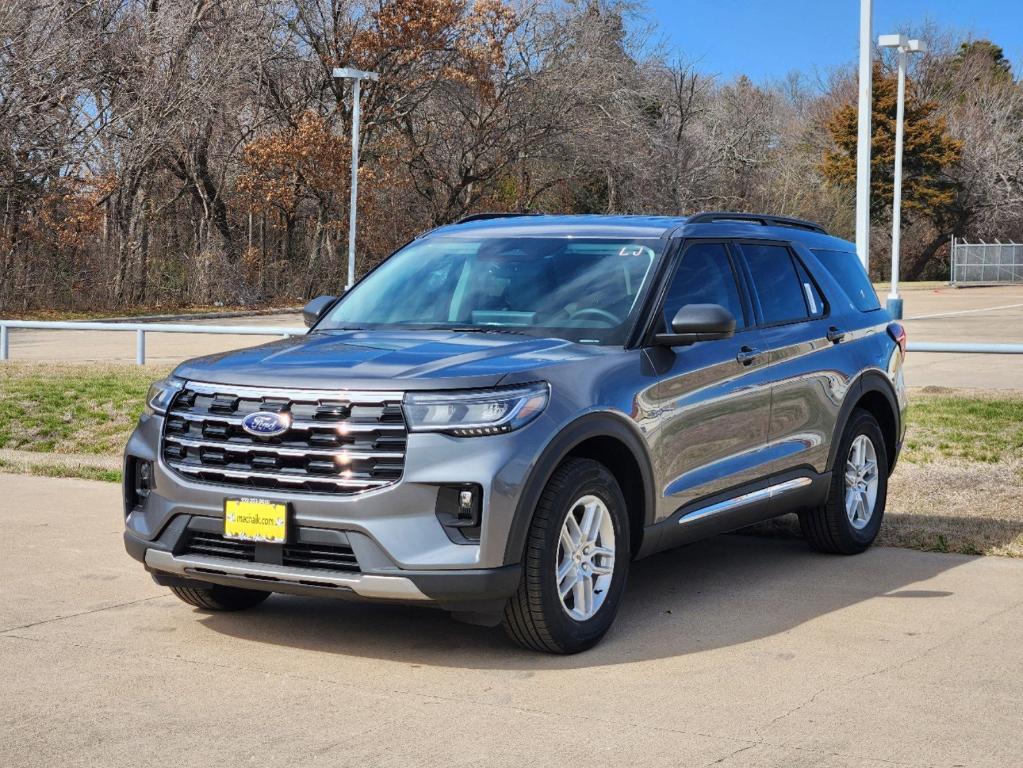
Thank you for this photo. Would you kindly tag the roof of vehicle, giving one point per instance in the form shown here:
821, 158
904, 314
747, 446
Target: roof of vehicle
714, 224
579, 225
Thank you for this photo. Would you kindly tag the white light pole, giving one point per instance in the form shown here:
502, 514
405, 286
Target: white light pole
904, 48
356, 76
864, 134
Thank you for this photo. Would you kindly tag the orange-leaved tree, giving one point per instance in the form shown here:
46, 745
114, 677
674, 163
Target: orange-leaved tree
929, 192
928, 152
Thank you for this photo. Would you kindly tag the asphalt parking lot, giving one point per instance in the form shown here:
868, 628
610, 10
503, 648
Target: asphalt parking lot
992, 314
738, 651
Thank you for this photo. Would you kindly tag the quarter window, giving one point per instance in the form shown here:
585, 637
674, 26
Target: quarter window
781, 293
849, 273
704, 276
812, 294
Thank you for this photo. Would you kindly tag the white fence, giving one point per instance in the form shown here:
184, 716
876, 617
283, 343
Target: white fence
140, 330
975, 263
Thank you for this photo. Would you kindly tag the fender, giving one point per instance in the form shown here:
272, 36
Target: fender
597, 424
868, 381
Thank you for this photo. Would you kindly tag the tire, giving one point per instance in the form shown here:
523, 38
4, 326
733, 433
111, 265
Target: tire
831, 527
537, 617
216, 597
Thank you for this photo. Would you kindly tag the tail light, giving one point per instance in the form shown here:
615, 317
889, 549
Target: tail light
898, 334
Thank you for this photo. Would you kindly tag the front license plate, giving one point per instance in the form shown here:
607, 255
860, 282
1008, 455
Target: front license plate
255, 520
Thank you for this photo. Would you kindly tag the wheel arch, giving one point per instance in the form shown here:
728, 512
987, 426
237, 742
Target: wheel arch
872, 392
606, 437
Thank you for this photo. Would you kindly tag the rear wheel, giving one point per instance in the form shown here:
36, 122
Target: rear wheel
576, 562
217, 597
849, 521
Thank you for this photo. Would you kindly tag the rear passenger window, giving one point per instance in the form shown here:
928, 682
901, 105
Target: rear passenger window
781, 293
704, 276
848, 272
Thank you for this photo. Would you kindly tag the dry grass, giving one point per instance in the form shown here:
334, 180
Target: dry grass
70, 408
107, 468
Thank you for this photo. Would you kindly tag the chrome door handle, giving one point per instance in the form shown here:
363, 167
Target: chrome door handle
835, 335
747, 355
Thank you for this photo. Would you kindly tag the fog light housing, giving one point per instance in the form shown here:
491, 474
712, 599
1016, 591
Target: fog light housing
138, 482
460, 511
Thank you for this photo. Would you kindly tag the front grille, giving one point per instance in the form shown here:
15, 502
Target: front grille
338, 442
330, 557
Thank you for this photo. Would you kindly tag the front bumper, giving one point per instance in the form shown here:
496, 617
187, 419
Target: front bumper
478, 590
403, 551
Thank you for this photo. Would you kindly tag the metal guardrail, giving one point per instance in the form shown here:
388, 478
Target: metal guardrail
140, 330
965, 348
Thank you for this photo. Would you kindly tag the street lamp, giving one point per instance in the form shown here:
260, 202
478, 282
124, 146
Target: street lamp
904, 46
863, 136
356, 76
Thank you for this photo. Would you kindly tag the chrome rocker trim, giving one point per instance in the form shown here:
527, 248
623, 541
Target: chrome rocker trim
364, 585
747, 498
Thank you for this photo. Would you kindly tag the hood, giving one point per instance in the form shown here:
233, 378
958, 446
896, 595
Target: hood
386, 360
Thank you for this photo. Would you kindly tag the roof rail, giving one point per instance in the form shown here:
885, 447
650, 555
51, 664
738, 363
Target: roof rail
494, 215
766, 219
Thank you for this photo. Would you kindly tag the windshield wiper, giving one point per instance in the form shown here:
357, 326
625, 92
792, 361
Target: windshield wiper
475, 329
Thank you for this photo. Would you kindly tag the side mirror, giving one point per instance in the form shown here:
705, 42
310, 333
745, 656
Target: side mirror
698, 322
317, 308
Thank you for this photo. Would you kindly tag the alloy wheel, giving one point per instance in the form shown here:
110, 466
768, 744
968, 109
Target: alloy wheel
861, 482
586, 557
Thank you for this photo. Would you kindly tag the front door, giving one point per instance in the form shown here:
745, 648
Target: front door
714, 399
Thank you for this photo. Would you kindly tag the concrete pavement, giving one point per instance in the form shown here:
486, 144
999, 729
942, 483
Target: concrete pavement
993, 315
734, 652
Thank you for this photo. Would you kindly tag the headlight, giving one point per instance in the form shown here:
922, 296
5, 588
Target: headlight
472, 413
160, 394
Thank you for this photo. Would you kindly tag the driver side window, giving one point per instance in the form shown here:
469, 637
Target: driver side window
704, 276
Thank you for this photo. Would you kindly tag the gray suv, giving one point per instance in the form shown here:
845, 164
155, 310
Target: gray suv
506, 412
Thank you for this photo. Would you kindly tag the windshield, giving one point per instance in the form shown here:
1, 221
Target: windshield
579, 289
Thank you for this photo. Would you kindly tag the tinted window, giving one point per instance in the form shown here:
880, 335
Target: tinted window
849, 273
704, 276
777, 284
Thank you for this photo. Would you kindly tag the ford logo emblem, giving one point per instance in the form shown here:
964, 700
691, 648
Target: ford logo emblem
266, 424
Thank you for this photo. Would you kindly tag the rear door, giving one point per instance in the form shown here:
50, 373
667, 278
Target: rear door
713, 400
807, 383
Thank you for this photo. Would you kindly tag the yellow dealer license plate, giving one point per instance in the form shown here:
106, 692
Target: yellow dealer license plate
255, 520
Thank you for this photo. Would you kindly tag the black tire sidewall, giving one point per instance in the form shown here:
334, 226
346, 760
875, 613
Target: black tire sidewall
585, 478
861, 423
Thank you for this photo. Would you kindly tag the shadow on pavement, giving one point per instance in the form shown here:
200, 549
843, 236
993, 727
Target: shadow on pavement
718, 593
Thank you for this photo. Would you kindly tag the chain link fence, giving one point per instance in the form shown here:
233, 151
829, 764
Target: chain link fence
989, 263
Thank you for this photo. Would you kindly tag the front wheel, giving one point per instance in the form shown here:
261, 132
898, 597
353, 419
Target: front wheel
849, 521
576, 562
217, 597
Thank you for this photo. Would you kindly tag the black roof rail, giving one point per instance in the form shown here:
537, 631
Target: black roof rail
494, 215
766, 219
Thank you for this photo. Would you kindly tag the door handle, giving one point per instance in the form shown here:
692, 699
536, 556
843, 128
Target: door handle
747, 355
835, 335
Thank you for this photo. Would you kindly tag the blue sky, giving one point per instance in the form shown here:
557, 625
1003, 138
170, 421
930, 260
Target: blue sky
766, 40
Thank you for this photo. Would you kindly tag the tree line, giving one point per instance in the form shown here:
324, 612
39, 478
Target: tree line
193, 152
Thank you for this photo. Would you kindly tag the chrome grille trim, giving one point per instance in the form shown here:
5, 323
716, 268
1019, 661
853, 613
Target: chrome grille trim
338, 442
283, 477
299, 395
250, 448
350, 427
